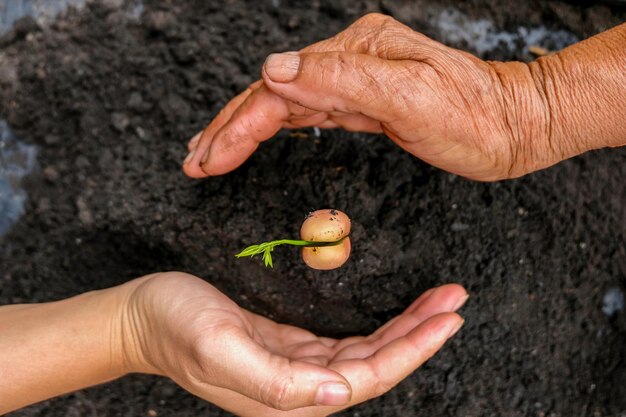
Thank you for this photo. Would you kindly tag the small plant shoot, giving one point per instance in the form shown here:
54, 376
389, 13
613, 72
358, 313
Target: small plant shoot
325, 241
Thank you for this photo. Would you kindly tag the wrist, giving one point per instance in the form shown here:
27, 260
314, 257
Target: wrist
527, 119
584, 88
130, 327
562, 105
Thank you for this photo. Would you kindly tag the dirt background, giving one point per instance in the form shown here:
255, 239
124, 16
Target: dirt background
110, 96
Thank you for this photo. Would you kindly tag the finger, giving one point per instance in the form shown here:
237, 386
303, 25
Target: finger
345, 82
201, 141
238, 404
257, 119
378, 373
191, 145
271, 379
445, 299
354, 340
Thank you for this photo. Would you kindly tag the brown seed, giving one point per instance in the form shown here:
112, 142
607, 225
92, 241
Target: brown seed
320, 227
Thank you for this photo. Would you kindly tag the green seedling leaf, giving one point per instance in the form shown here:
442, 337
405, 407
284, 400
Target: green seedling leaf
266, 248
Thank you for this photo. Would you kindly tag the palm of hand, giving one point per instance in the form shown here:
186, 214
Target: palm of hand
250, 365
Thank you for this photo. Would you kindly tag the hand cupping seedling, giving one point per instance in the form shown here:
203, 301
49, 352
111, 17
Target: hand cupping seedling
324, 240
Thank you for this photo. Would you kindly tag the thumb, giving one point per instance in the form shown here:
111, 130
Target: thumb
278, 382
341, 81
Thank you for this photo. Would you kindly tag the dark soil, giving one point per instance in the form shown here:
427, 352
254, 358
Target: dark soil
111, 100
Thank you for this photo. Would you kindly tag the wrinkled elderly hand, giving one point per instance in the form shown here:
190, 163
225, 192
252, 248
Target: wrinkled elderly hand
483, 120
180, 326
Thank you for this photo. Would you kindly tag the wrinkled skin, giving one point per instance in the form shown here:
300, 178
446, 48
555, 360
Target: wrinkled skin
182, 327
445, 106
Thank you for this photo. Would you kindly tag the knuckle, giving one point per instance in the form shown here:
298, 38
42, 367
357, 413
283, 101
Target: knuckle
372, 34
277, 393
372, 19
359, 41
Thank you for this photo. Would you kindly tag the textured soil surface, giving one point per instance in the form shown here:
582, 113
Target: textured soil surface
110, 95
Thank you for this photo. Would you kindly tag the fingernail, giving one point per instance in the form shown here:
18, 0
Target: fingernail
189, 157
460, 302
194, 141
282, 68
333, 393
456, 328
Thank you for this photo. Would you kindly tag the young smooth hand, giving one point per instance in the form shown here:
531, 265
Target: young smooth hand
483, 120
180, 326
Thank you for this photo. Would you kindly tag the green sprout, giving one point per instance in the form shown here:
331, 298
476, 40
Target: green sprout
266, 248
